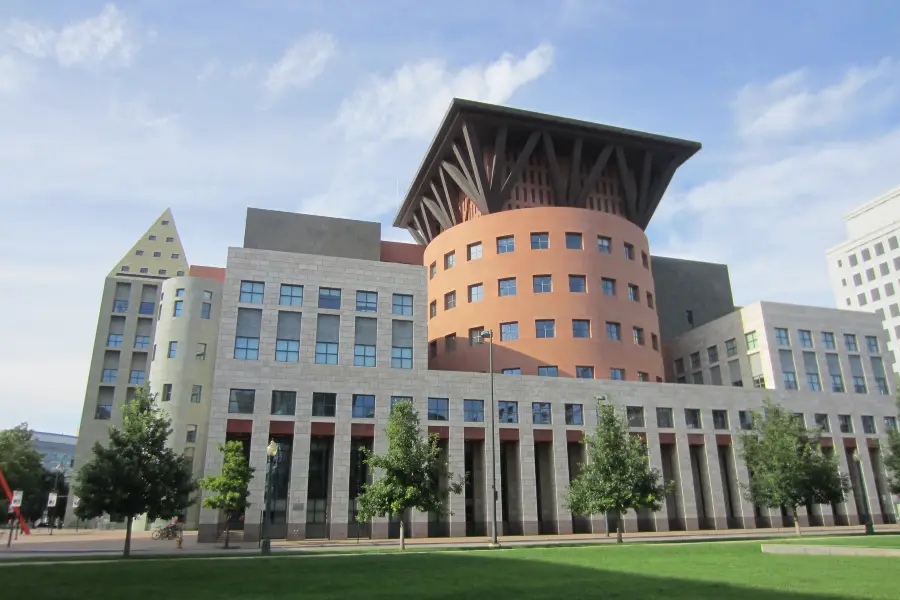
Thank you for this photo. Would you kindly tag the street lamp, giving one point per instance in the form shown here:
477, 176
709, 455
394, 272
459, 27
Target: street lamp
271, 453
489, 336
870, 527
56, 469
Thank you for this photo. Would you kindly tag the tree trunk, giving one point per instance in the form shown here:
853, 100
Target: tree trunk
227, 532
620, 528
402, 535
796, 521
128, 522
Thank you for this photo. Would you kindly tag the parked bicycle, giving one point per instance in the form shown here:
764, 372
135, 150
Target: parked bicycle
169, 532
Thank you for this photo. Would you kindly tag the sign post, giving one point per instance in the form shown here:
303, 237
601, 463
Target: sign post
15, 504
9, 496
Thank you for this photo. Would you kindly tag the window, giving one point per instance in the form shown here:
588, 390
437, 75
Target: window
892, 243
679, 366
720, 419
402, 304
654, 341
692, 418
545, 328
432, 349
432, 309
432, 270
868, 423
695, 360
363, 355
635, 416
327, 353
637, 333
866, 255
284, 403
176, 310
845, 423
330, 298
614, 332
745, 420
872, 344
634, 293
577, 283
506, 244
806, 338
697, 377
604, 244
144, 270
884, 269
645, 260
857, 279
828, 340
509, 331
821, 421
751, 340
246, 348
581, 328
548, 372
542, 284
642, 376
573, 241
476, 292
890, 423
790, 380
191, 435
730, 347
323, 404
712, 353
103, 412
291, 295
366, 301
196, 394
179, 293
664, 418
850, 342
629, 251
584, 372
139, 252
608, 286
449, 260
205, 310
173, 350
540, 413
401, 358
879, 249
574, 414
474, 251
870, 274
157, 254
475, 334
511, 371
287, 350
201, 351
449, 300
781, 335
137, 377
507, 287
438, 409
541, 241
241, 401
617, 374
252, 292
812, 380
508, 411
473, 411
120, 306
114, 340
650, 300
363, 406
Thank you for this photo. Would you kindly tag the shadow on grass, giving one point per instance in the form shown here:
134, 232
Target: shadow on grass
738, 574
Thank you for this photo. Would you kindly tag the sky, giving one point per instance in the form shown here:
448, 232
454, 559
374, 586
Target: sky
110, 113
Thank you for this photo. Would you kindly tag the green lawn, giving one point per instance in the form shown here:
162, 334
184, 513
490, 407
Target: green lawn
865, 541
736, 571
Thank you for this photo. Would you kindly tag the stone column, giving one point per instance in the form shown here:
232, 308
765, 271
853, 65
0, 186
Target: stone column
528, 481
870, 486
299, 485
339, 502
686, 481
748, 513
254, 514
715, 483
456, 448
561, 474
489, 480
850, 509
661, 517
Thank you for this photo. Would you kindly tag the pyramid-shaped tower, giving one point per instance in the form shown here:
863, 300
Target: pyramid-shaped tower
158, 253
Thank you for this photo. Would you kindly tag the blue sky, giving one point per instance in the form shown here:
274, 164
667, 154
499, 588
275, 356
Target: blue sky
111, 112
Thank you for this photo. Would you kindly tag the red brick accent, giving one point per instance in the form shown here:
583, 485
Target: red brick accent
849, 442
217, 273
872, 442
574, 435
509, 434
473, 433
723, 439
239, 426
403, 253
696, 439
543, 435
321, 428
827, 442
281, 428
442, 430
666, 438
362, 430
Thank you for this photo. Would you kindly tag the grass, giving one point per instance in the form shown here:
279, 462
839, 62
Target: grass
863, 541
736, 571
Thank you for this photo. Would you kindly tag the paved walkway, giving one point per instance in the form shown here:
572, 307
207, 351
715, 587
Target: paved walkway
828, 550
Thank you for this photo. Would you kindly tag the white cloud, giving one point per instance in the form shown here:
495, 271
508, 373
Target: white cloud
102, 39
412, 100
301, 63
788, 105
13, 74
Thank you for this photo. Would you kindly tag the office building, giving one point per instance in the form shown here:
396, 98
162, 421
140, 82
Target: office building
57, 451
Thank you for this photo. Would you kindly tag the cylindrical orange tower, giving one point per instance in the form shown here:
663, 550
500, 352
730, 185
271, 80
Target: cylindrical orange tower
534, 230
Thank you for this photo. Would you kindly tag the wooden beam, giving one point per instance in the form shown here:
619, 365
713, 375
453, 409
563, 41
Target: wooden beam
559, 186
466, 186
476, 156
442, 203
499, 163
416, 235
427, 222
518, 167
420, 229
627, 180
644, 187
594, 176
465, 170
574, 174
451, 201
438, 211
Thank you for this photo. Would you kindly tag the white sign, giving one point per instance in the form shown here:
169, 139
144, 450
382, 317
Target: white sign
76, 501
51, 500
17, 499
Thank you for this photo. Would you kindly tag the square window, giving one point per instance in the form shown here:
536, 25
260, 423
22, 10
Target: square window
679, 366
629, 251
542, 284
474, 251
363, 355
573, 241
540, 241
449, 260
879, 249
137, 377
745, 420
872, 344
176, 256
868, 423
449, 300
617, 374
363, 406
170, 239
508, 411
330, 298
584, 372
201, 351
144, 270
125, 268
545, 328
720, 419
574, 414
845, 423
604, 244
179, 293
173, 350
191, 435
323, 404
781, 336
476, 292
139, 252
822, 422
712, 353
692, 418
473, 411
291, 295
114, 340
509, 331
196, 394
287, 350
613, 332
157, 254
540, 413
866, 255
284, 403
609, 286
241, 401
120, 306
141, 342
162, 271
890, 424
548, 371
828, 340
511, 371
475, 335
507, 287
850, 342
438, 409
634, 293
884, 269
366, 301
402, 304
176, 309
637, 334
401, 357
326, 353
205, 310
581, 328
642, 376
635, 416
577, 284
246, 348
506, 244
252, 292
664, 418
752, 342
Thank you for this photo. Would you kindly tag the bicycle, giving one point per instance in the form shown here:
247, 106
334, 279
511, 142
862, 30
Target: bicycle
169, 532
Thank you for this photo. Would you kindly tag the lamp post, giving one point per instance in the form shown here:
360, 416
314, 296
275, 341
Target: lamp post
870, 527
489, 335
271, 453
55, 484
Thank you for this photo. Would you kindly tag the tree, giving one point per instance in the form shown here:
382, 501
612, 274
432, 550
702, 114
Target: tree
232, 485
787, 465
136, 473
617, 476
23, 468
892, 456
409, 475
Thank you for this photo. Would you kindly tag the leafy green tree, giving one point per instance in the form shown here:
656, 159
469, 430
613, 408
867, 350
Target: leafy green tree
409, 475
617, 476
892, 461
136, 473
23, 468
787, 465
232, 485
